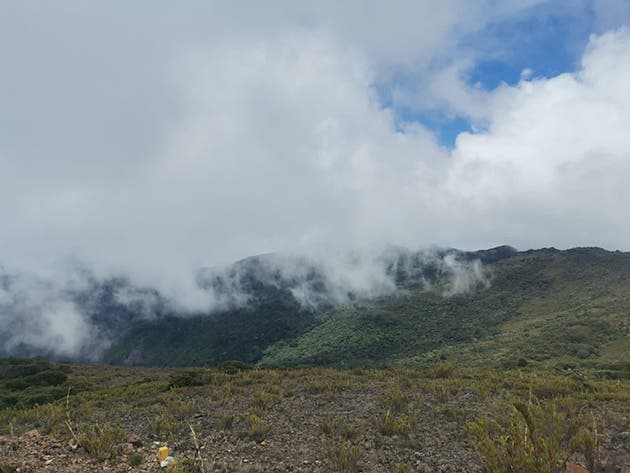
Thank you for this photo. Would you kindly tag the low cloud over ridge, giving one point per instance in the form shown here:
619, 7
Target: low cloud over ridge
150, 149
81, 316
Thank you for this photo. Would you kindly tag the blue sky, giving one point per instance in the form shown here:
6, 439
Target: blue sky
548, 39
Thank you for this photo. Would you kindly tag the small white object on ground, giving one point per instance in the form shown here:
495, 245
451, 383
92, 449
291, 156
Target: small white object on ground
167, 461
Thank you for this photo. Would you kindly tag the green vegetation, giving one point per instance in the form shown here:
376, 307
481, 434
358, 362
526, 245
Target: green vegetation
136, 459
240, 335
535, 437
559, 310
340, 444
344, 456
256, 429
101, 441
374, 420
25, 383
529, 372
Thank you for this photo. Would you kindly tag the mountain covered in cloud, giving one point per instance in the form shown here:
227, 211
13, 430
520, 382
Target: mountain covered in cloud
327, 137
83, 316
498, 307
199, 136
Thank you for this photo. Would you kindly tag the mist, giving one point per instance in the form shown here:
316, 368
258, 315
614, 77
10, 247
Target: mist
145, 148
79, 317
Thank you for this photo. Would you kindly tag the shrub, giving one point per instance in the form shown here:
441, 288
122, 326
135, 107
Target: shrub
533, 438
394, 400
136, 459
401, 468
190, 378
100, 441
389, 424
342, 428
234, 366
257, 430
441, 370
343, 456
261, 400
226, 421
49, 378
161, 426
318, 387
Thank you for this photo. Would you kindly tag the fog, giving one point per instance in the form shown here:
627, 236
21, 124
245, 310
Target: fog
146, 141
81, 316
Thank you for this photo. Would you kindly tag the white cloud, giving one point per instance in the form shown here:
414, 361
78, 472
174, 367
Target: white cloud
36, 314
552, 168
163, 139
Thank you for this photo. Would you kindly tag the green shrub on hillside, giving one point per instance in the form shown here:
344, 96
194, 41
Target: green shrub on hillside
28, 382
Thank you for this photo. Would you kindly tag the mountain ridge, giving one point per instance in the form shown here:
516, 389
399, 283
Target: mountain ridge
559, 309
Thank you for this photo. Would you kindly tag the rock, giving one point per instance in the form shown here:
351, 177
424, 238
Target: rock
12, 466
621, 440
575, 468
126, 448
134, 440
167, 461
32, 434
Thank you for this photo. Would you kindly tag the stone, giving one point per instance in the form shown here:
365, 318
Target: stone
31, 434
135, 440
72, 444
126, 448
575, 468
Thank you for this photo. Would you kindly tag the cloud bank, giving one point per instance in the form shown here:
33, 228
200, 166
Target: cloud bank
81, 316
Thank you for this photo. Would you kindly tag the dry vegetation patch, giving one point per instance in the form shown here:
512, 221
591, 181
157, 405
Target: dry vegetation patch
321, 420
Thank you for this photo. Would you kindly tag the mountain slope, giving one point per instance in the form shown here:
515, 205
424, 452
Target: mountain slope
562, 309
276, 311
492, 308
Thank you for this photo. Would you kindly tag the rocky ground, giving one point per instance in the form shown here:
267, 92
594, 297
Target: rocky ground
291, 421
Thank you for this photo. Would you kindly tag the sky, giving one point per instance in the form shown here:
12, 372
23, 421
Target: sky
150, 138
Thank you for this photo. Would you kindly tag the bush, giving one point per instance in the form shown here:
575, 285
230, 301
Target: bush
16, 368
394, 400
226, 421
234, 366
49, 378
441, 370
136, 459
339, 428
533, 438
257, 430
25, 383
190, 378
100, 442
389, 424
343, 456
